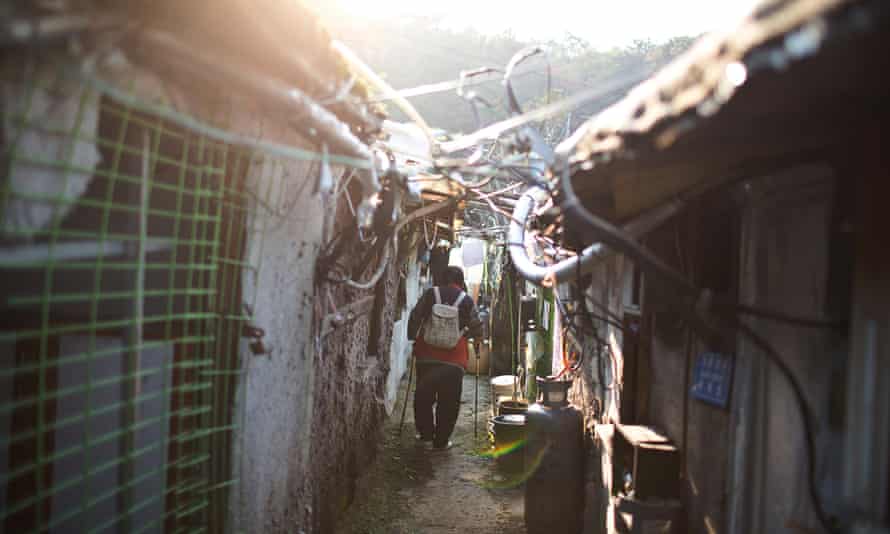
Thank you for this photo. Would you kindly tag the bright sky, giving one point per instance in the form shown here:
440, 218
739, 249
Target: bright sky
605, 23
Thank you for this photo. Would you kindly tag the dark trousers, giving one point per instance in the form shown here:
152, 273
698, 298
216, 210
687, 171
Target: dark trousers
438, 383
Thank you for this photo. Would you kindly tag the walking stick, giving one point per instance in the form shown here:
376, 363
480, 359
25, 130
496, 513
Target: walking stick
476, 398
407, 394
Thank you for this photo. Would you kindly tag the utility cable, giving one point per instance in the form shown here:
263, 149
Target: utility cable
494, 131
391, 246
519, 57
500, 192
366, 72
804, 322
605, 232
474, 100
451, 85
761, 343
654, 266
429, 242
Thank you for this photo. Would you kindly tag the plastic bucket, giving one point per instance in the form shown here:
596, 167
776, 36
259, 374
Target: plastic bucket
512, 407
502, 386
509, 442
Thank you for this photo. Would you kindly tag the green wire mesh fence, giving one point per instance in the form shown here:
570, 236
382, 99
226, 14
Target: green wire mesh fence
123, 246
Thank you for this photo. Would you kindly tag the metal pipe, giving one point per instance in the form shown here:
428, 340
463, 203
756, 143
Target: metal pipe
29, 30
728, 311
313, 119
38, 253
366, 72
568, 268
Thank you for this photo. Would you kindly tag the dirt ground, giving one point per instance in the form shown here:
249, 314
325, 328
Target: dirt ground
412, 491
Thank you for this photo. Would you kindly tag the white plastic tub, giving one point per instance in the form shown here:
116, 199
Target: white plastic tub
502, 386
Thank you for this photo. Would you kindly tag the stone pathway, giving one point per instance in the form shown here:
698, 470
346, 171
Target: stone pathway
412, 491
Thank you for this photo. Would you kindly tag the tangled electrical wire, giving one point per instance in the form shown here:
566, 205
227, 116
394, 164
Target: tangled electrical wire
486, 178
553, 258
476, 162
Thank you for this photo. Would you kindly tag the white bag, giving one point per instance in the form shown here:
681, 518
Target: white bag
442, 328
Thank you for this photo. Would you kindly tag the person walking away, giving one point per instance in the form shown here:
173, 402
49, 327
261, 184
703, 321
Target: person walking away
440, 325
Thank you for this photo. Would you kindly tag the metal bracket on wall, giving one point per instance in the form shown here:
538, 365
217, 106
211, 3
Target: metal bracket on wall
257, 347
347, 314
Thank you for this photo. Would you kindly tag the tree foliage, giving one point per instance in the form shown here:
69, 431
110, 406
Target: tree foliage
416, 51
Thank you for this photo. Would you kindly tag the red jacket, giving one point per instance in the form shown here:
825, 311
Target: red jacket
459, 355
469, 319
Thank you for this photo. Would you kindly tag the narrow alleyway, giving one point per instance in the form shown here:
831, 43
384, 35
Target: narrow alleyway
412, 491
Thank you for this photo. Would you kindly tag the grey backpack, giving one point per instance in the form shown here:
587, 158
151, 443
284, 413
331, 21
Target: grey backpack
442, 328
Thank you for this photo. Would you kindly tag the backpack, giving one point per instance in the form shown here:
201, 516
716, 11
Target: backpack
442, 328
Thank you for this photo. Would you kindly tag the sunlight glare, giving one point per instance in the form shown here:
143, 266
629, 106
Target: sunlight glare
605, 24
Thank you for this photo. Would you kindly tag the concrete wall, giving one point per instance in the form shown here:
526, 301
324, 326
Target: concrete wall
400, 350
277, 389
600, 380
357, 370
310, 409
597, 390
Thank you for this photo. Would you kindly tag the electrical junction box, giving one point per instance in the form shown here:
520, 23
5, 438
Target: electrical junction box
712, 378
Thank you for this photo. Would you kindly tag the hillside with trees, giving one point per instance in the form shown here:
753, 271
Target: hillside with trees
416, 51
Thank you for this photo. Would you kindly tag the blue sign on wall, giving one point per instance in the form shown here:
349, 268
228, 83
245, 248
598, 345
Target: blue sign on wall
712, 378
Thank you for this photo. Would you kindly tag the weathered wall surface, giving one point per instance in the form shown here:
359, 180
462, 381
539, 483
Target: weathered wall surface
310, 408
349, 404
357, 371
600, 380
597, 390
786, 265
400, 350
650, 385
701, 243
743, 467
866, 419
276, 389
